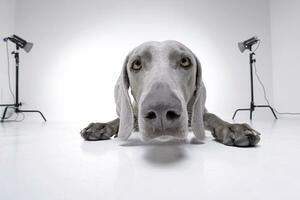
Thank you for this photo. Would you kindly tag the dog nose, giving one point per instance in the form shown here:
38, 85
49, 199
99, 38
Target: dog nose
170, 115
161, 106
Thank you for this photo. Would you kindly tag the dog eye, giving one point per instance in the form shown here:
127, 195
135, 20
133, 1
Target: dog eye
136, 65
185, 62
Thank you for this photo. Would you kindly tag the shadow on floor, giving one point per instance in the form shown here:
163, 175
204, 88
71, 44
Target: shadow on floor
162, 153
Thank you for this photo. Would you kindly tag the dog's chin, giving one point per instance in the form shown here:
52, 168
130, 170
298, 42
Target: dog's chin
163, 136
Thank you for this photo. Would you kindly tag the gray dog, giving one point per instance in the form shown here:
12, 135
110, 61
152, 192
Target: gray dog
165, 79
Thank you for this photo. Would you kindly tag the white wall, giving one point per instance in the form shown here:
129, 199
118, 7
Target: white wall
7, 12
80, 47
285, 21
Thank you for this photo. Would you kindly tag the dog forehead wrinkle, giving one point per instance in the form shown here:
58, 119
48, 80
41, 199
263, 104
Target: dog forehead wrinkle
145, 52
175, 54
159, 53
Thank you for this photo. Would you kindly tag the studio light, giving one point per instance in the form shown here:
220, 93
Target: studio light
247, 44
21, 43
27, 46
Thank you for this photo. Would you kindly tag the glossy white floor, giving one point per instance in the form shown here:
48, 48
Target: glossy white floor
51, 161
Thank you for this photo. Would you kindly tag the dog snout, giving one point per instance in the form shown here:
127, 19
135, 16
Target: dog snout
162, 107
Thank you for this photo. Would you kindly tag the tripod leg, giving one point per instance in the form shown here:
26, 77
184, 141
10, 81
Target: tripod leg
4, 114
273, 112
234, 114
237, 110
42, 115
34, 111
268, 106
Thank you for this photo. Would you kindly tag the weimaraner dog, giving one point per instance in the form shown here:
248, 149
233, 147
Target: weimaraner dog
168, 93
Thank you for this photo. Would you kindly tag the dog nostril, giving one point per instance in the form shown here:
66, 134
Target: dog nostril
171, 115
151, 115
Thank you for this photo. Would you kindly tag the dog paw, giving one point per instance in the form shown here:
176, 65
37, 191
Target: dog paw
237, 135
99, 131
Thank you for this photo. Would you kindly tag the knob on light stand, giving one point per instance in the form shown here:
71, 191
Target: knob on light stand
244, 46
27, 46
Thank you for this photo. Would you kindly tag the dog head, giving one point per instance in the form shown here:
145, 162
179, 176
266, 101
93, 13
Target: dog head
165, 82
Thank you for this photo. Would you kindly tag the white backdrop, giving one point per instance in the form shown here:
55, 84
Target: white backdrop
285, 49
7, 10
80, 47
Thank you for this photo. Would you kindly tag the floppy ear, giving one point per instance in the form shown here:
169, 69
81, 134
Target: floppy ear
199, 105
123, 103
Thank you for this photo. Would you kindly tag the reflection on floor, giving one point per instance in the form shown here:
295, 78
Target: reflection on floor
51, 161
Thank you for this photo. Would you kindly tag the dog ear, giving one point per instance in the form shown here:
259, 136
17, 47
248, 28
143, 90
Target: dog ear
123, 103
198, 108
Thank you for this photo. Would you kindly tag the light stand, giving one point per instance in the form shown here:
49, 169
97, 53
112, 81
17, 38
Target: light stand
252, 104
17, 104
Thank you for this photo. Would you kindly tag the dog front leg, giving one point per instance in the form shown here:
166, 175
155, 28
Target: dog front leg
230, 134
101, 131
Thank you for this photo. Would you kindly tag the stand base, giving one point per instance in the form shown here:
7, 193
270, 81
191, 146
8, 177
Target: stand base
251, 109
17, 110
